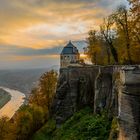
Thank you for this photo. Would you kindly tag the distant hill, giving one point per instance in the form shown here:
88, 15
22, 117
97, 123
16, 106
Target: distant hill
4, 97
22, 80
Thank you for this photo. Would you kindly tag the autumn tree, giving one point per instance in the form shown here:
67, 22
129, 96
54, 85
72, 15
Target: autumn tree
4, 127
124, 29
93, 46
135, 18
43, 95
23, 125
31, 117
135, 34
109, 34
48, 82
121, 33
27, 121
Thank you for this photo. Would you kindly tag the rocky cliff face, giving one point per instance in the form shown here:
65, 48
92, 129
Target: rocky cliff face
129, 104
112, 88
75, 90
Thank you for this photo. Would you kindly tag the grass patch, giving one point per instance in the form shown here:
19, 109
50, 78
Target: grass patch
4, 97
83, 125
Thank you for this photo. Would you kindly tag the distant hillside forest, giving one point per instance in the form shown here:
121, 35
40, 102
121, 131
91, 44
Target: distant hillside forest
118, 40
4, 97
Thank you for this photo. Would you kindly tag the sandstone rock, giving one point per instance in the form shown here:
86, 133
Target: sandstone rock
113, 88
129, 104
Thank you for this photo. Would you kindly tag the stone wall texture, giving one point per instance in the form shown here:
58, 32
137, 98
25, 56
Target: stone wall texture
114, 88
129, 104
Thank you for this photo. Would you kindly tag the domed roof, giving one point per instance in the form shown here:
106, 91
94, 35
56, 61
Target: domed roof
69, 49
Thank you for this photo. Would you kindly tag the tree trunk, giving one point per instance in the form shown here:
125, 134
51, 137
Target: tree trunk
95, 58
108, 54
114, 53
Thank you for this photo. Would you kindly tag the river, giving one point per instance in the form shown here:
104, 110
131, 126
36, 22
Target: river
17, 99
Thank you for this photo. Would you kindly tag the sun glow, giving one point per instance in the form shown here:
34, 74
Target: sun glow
83, 56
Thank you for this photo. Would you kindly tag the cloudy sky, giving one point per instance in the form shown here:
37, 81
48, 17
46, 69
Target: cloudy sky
33, 32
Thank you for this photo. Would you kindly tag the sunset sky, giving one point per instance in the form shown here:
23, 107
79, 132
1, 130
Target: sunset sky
33, 32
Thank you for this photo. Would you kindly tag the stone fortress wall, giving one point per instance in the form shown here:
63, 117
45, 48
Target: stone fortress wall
114, 88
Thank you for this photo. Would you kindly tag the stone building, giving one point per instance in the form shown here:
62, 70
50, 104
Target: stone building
69, 54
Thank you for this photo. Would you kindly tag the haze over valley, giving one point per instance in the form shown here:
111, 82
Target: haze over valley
22, 79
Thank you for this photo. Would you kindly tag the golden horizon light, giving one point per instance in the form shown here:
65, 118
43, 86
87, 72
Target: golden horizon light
29, 28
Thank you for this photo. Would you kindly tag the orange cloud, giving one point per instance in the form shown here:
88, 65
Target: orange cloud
32, 27
47, 23
11, 58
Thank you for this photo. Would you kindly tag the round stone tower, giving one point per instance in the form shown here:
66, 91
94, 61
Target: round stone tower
69, 55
